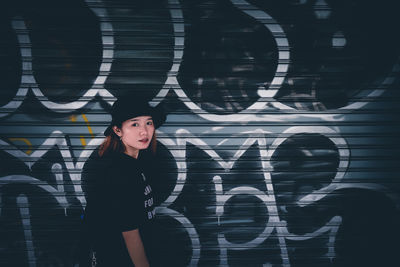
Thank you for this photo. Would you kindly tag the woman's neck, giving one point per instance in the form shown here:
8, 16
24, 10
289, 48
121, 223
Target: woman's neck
134, 153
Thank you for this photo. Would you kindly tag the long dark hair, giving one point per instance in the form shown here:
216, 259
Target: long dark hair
113, 144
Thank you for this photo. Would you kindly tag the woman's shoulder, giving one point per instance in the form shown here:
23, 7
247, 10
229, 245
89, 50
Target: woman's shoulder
103, 167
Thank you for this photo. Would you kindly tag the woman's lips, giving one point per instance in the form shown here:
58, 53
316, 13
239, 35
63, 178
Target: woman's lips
145, 140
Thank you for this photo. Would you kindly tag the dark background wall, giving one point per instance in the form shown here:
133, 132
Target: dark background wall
281, 144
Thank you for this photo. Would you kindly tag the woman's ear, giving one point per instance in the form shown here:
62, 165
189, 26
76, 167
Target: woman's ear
117, 131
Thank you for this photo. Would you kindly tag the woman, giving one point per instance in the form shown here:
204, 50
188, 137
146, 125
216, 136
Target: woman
118, 220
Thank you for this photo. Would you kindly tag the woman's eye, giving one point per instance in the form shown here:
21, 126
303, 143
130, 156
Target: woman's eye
135, 124
149, 123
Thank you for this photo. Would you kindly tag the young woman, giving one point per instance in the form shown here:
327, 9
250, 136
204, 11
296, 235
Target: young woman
119, 216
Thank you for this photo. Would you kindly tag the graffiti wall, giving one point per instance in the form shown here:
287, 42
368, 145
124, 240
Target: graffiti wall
281, 142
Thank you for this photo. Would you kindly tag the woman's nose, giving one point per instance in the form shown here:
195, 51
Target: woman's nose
143, 130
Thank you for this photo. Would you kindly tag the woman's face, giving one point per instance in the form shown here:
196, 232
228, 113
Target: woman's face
136, 134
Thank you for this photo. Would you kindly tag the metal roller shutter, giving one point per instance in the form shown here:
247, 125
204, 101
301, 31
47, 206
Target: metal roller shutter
280, 147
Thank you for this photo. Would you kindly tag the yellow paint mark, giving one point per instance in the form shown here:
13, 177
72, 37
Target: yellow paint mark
88, 125
73, 118
83, 141
26, 141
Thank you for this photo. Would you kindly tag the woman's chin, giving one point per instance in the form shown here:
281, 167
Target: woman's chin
143, 146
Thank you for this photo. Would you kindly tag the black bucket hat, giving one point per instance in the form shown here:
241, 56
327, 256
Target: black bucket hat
126, 108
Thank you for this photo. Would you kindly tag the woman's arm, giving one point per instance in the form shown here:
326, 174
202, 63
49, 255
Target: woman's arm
135, 248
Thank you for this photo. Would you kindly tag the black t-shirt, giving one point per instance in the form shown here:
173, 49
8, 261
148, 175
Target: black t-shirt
120, 199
